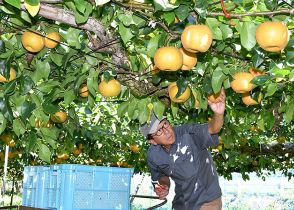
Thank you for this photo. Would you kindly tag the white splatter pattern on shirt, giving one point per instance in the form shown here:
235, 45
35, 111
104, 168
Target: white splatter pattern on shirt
184, 149
195, 188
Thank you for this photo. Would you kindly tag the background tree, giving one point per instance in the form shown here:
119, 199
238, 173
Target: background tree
106, 40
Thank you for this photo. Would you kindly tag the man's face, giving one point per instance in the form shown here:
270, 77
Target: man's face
164, 134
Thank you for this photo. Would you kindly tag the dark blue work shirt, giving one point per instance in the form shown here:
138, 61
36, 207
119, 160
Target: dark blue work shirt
189, 164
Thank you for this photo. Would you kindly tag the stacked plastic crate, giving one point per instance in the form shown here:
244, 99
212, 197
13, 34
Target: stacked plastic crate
77, 187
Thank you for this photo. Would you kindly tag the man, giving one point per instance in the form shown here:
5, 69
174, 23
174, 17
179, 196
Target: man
182, 154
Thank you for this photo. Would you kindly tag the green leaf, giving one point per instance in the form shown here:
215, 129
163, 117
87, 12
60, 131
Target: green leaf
37, 99
214, 24
125, 33
290, 58
2, 47
3, 123
18, 127
138, 22
291, 76
7, 9
164, 5
17, 21
122, 109
26, 84
31, 142
50, 136
260, 123
79, 81
6, 55
257, 58
50, 108
182, 84
144, 112
261, 79
42, 71
128, 20
271, 89
291, 42
92, 82
144, 116
169, 17
227, 83
15, 3
280, 72
80, 5
47, 87
72, 38
289, 114
18, 100
4, 68
271, 4
5, 108
67, 56
226, 30
26, 109
206, 85
201, 7
56, 58
48, 140
182, 11
82, 17
174, 109
158, 108
132, 109
25, 16
152, 46
69, 96
44, 153
247, 35
156, 79
10, 88
32, 2
217, 80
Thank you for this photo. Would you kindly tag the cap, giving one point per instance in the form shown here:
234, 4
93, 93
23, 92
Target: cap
151, 127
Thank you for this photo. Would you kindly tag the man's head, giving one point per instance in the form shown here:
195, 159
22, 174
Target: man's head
158, 131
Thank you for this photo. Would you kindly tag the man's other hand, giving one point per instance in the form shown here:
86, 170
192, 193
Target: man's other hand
161, 191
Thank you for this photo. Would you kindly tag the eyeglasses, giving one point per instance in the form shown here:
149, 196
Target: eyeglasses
165, 125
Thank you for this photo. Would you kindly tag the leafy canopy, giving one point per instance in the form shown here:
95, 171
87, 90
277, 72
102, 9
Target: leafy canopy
118, 39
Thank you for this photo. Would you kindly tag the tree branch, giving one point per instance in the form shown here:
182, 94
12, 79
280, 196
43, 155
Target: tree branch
277, 149
267, 13
65, 16
232, 15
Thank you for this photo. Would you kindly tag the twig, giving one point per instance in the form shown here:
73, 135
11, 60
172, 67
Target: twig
216, 52
227, 15
52, 1
269, 13
142, 14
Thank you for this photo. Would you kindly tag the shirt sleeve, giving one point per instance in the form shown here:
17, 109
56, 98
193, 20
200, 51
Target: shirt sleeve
155, 173
201, 135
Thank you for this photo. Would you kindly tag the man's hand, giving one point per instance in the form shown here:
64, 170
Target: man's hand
161, 191
219, 107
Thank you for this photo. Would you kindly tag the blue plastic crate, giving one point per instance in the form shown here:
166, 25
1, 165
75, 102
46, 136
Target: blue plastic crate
77, 187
